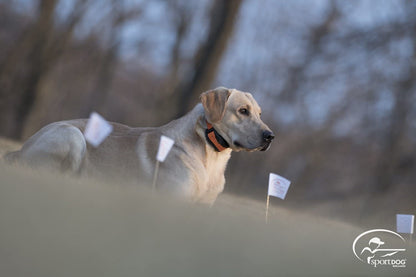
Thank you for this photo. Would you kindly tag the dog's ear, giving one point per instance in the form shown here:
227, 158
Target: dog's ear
214, 102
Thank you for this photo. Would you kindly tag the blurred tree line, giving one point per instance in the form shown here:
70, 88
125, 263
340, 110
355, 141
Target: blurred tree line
336, 80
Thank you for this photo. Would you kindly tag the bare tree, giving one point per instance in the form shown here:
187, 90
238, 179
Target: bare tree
392, 144
118, 17
207, 58
28, 62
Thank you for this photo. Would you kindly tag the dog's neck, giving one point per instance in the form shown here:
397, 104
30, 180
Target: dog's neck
215, 139
202, 128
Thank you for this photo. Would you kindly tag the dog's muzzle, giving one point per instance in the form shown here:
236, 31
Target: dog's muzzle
268, 137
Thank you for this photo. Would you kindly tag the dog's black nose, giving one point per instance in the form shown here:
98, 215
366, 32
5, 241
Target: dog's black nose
268, 136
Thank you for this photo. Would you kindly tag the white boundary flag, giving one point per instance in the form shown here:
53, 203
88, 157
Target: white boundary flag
278, 186
164, 148
97, 129
405, 223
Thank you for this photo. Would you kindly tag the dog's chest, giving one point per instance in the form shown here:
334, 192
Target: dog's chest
214, 171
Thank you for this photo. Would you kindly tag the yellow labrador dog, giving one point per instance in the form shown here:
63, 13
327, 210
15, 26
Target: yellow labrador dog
226, 120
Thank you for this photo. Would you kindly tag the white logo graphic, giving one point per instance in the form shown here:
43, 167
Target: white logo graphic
380, 247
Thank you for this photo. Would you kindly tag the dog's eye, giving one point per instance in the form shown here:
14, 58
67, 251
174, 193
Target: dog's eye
244, 111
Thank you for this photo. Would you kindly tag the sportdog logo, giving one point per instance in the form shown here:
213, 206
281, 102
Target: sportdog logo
380, 247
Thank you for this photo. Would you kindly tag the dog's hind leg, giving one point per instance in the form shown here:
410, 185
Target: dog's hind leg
58, 146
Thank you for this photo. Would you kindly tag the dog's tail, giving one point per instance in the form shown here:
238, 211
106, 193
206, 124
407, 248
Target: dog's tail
12, 157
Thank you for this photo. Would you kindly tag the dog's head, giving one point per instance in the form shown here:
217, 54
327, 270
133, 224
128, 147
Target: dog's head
235, 115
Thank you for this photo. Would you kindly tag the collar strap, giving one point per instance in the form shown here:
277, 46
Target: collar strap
215, 139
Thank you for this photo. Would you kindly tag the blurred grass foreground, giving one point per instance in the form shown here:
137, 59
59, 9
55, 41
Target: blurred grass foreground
55, 226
